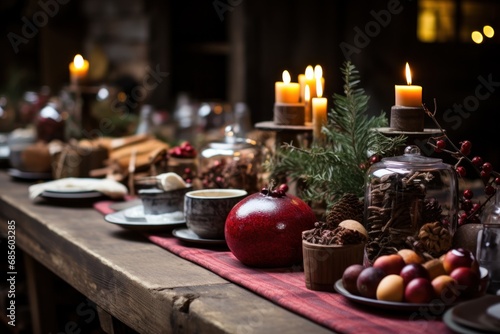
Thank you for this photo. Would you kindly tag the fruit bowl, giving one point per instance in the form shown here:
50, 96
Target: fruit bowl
405, 306
381, 304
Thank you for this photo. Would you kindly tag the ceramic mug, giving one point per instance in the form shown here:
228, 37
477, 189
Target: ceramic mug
206, 210
157, 201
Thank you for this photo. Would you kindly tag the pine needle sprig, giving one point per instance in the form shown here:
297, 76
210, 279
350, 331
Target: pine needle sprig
334, 166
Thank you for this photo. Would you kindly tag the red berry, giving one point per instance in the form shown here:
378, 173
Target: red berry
477, 161
374, 159
440, 144
476, 207
283, 188
497, 180
489, 190
468, 194
462, 219
465, 147
484, 175
466, 205
487, 167
461, 171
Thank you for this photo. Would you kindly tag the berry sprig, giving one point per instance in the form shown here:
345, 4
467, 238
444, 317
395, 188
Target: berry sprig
275, 192
184, 150
469, 211
188, 175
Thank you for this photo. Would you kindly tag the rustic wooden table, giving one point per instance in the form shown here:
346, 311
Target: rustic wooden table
131, 280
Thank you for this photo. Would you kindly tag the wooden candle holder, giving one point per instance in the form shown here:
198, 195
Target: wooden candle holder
408, 119
289, 113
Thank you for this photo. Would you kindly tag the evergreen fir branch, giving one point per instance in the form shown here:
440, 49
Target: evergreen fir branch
331, 168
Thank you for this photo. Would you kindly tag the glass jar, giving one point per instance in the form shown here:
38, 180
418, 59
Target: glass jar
234, 163
411, 201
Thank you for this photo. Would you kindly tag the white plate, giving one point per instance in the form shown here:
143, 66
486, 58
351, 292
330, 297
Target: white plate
494, 311
65, 194
29, 176
118, 218
186, 234
136, 214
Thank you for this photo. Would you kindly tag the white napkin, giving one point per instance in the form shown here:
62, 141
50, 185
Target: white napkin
108, 187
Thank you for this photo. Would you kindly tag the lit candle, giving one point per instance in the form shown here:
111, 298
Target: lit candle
410, 95
286, 91
318, 73
307, 103
319, 114
78, 69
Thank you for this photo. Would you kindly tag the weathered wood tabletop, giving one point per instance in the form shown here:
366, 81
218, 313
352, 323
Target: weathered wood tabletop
144, 286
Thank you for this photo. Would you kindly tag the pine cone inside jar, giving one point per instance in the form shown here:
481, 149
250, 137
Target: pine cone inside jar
435, 238
348, 207
432, 210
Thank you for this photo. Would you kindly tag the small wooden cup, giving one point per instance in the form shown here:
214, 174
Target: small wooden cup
325, 264
289, 113
408, 119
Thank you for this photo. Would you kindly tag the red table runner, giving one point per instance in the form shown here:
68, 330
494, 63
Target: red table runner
286, 287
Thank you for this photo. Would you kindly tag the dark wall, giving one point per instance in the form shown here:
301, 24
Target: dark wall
280, 35
292, 34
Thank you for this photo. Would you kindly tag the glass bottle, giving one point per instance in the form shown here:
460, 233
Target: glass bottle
488, 245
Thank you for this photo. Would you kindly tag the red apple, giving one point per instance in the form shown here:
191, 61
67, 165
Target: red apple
467, 281
265, 228
419, 291
413, 270
459, 257
390, 264
368, 281
350, 278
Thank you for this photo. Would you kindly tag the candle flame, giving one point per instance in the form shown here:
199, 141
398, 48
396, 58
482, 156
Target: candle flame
78, 61
309, 72
307, 94
408, 74
319, 87
318, 72
286, 77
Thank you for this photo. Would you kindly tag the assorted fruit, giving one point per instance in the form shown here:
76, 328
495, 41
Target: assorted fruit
406, 277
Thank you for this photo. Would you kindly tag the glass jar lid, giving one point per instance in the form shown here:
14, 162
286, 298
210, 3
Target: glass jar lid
412, 157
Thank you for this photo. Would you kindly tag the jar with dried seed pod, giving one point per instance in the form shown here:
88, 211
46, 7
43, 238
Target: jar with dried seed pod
406, 197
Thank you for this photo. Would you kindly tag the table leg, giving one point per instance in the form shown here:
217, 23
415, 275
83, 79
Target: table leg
111, 325
41, 296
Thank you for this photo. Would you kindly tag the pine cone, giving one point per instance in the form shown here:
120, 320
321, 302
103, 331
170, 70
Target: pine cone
432, 210
348, 207
435, 238
346, 236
